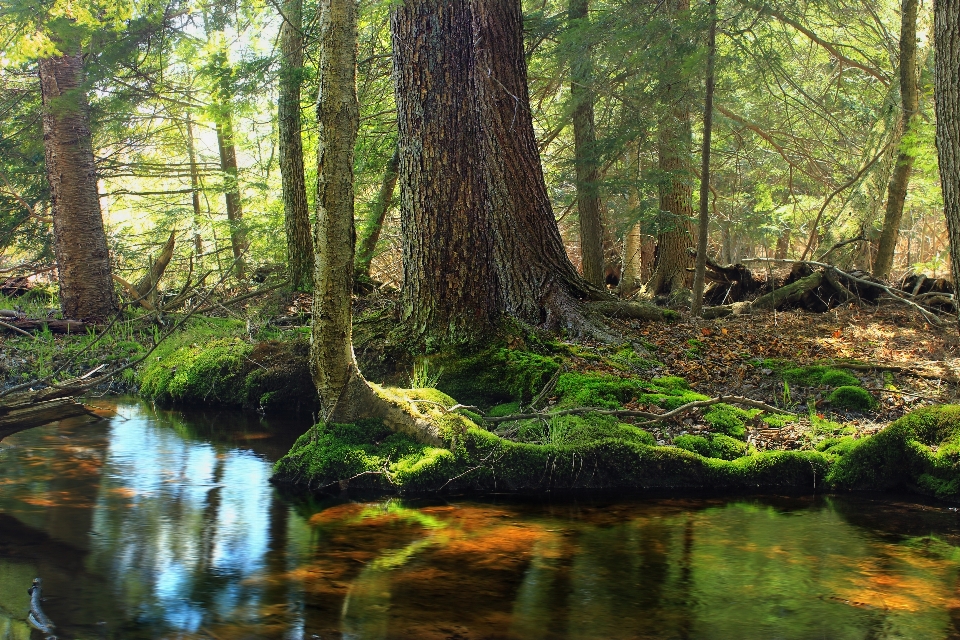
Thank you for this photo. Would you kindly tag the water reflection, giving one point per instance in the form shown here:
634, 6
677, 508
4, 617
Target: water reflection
157, 524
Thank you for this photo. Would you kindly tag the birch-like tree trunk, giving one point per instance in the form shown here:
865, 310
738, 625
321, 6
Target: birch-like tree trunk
910, 104
79, 239
296, 214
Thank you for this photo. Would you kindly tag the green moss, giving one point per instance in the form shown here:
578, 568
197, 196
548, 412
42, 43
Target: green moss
855, 398
818, 376
496, 376
920, 450
505, 409
213, 371
696, 444
595, 390
717, 446
728, 420
779, 420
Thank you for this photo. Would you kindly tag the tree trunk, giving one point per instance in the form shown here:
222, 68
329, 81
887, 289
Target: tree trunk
450, 284
231, 188
338, 115
947, 97
296, 216
194, 189
910, 101
79, 240
675, 235
585, 148
538, 282
378, 215
704, 221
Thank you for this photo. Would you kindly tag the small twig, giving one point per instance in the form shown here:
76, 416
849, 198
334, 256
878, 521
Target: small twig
470, 470
547, 388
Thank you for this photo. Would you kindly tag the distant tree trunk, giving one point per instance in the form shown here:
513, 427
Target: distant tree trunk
947, 97
910, 101
378, 215
538, 282
80, 243
296, 215
231, 189
585, 150
704, 220
450, 293
783, 244
194, 188
633, 266
675, 235
338, 115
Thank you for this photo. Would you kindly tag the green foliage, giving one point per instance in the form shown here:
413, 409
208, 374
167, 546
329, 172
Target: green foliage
819, 376
921, 450
855, 398
506, 409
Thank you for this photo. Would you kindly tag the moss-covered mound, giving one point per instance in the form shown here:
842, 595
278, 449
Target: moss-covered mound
369, 456
212, 363
920, 451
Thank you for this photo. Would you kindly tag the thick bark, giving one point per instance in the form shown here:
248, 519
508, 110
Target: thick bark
80, 243
704, 221
538, 282
675, 235
378, 215
450, 293
585, 150
947, 97
333, 365
910, 102
296, 215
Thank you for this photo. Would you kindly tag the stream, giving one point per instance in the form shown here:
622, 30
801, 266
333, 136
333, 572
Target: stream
156, 523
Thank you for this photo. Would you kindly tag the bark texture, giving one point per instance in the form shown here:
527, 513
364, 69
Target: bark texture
910, 104
333, 365
538, 283
585, 149
947, 97
450, 292
80, 243
296, 214
231, 188
704, 220
378, 215
675, 235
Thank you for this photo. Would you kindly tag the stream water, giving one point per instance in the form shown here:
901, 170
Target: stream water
161, 524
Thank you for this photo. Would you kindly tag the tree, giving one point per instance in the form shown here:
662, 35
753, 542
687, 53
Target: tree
378, 214
675, 233
585, 147
701, 263
80, 243
946, 29
450, 292
910, 105
296, 215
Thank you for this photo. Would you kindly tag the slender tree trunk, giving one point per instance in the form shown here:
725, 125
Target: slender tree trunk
296, 216
231, 189
675, 235
633, 266
947, 97
585, 149
338, 116
450, 293
538, 282
80, 243
910, 101
704, 222
194, 188
378, 215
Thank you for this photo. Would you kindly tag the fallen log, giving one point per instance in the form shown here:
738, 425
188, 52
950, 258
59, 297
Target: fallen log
20, 325
27, 415
37, 617
773, 300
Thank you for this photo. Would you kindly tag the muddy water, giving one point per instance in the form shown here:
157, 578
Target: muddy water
161, 524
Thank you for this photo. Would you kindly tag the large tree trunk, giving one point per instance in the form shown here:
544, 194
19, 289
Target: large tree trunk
947, 97
296, 216
910, 101
338, 116
675, 235
80, 243
378, 215
704, 219
538, 282
449, 282
585, 149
